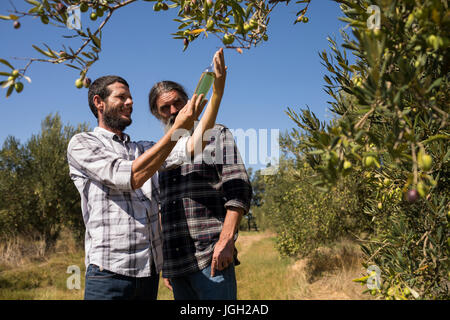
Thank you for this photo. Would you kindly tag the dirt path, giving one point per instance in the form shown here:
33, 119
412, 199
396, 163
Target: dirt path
336, 284
245, 241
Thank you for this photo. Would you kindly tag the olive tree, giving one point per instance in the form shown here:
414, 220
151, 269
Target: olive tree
392, 129
239, 24
38, 196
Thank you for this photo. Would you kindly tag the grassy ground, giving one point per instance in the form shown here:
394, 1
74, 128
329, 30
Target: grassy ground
42, 279
262, 275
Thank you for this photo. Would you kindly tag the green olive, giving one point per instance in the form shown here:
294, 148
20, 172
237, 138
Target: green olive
347, 165
370, 161
210, 24
18, 86
228, 39
79, 83
44, 19
84, 7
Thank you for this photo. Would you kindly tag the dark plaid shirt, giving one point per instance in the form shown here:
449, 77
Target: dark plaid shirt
194, 201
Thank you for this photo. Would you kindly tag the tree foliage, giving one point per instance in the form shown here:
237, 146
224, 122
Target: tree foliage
303, 216
391, 129
38, 194
239, 24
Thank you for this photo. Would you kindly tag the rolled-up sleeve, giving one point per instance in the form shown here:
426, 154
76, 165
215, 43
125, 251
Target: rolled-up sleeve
178, 156
89, 158
235, 181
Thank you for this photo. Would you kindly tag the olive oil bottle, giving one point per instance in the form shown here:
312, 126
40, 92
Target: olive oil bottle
206, 80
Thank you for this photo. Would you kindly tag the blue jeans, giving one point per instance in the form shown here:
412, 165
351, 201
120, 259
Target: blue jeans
106, 285
200, 286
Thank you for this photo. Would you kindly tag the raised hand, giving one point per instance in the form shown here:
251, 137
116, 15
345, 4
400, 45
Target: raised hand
220, 71
190, 112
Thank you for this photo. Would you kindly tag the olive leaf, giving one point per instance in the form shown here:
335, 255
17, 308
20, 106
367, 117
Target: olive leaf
6, 63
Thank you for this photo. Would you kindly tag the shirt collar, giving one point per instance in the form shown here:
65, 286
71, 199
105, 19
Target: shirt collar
112, 135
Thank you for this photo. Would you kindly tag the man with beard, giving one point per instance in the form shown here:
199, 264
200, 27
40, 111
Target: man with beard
117, 181
202, 203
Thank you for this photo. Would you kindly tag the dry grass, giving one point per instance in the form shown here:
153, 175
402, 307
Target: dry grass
19, 251
327, 274
27, 273
262, 275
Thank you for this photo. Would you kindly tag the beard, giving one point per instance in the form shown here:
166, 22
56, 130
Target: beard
169, 122
113, 119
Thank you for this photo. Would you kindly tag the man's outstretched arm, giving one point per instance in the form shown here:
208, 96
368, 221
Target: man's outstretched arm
196, 142
151, 160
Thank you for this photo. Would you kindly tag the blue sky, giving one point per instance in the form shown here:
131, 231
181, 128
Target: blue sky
137, 44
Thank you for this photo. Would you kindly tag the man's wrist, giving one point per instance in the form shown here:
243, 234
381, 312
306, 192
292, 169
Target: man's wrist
173, 134
218, 93
227, 237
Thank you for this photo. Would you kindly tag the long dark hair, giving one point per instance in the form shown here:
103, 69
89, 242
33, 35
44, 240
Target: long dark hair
161, 87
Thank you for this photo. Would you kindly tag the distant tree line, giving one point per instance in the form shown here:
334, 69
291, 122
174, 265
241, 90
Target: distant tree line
38, 197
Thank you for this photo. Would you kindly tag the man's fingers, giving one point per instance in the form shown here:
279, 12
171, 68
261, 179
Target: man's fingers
198, 105
200, 108
221, 59
218, 61
213, 267
195, 98
187, 106
225, 263
191, 104
201, 104
168, 284
218, 65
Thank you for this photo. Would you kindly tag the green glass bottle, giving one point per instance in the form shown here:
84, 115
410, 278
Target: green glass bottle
206, 80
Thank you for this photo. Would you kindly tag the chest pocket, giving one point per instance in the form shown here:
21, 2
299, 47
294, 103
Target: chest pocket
199, 172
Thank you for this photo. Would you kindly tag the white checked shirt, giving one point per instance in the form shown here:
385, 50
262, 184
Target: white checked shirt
122, 225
